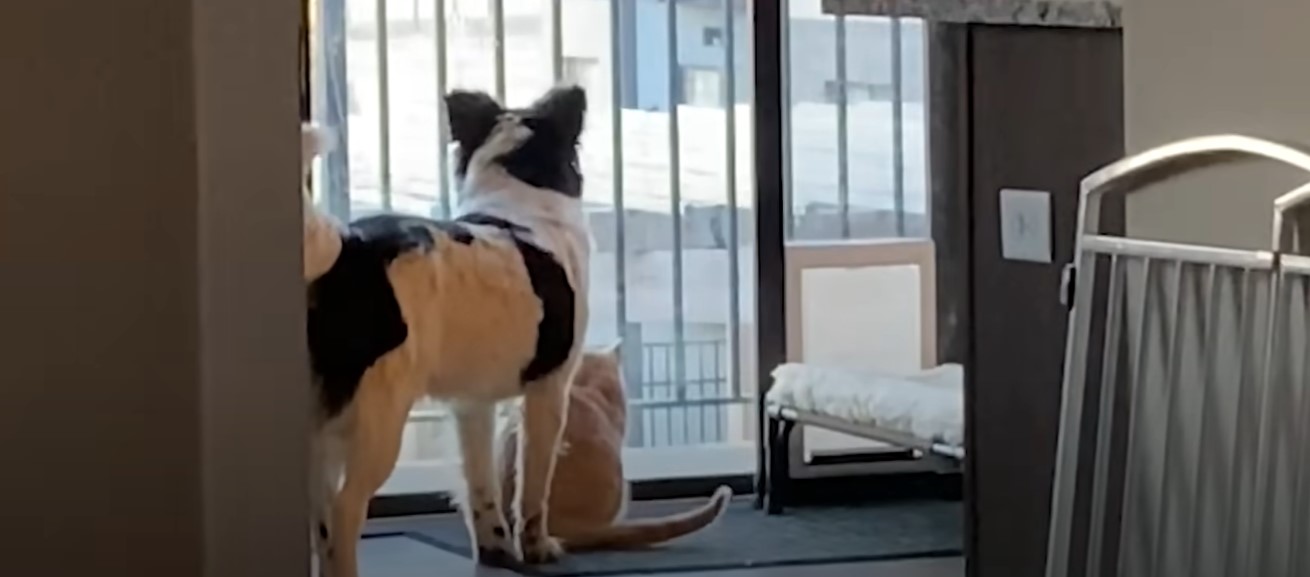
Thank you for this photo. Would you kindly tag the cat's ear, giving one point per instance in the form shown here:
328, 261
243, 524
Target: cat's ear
612, 351
564, 107
471, 115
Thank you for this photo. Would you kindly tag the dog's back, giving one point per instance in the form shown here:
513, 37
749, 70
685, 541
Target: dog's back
475, 306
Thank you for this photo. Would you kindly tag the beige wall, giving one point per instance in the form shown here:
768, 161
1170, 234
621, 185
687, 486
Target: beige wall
1210, 66
151, 396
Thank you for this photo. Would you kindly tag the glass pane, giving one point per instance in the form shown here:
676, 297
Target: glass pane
840, 336
666, 159
857, 123
858, 170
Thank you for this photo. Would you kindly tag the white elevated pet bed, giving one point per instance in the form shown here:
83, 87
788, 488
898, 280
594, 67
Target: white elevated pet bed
923, 411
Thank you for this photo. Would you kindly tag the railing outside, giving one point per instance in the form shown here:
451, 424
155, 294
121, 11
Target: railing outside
663, 411
666, 161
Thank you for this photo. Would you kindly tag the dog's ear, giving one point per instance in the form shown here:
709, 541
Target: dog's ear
471, 116
565, 108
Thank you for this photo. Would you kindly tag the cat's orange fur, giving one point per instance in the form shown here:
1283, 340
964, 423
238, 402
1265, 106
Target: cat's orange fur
589, 493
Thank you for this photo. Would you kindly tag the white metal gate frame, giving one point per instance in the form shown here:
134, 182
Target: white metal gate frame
1271, 288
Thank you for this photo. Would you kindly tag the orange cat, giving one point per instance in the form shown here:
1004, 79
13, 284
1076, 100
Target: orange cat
589, 495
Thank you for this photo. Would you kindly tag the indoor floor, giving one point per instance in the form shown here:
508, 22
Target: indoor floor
401, 557
910, 537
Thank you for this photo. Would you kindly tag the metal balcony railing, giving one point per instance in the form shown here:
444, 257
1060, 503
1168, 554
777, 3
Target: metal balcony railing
698, 203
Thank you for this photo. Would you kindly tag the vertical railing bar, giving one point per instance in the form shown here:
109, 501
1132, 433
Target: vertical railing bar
788, 142
720, 415
730, 167
1104, 431
1209, 347
1300, 514
1173, 362
702, 385
1282, 421
843, 112
336, 164
688, 413
616, 166
898, 127
1262, 489
675, 196
384, 105
1301, 477
647, 428
1293, 429
1231, 521
1296, 555
1072, 415
672, 389
556, 40
1137, 391
1280, 396
444, 182
497, 9
669, 437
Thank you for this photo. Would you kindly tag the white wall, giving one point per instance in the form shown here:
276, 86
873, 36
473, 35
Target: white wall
153, 400
1208, 66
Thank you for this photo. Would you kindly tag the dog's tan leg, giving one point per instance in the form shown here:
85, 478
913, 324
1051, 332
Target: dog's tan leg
372, 447
545, 405
325, 477
482, 509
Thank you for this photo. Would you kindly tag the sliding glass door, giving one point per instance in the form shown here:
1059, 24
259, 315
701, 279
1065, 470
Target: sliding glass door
667, 158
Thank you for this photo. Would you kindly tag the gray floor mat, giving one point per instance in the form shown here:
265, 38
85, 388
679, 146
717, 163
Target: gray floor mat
745, 537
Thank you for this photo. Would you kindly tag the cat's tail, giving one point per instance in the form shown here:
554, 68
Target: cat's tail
637, 533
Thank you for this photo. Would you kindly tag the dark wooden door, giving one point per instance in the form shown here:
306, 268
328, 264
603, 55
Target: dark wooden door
1046, 108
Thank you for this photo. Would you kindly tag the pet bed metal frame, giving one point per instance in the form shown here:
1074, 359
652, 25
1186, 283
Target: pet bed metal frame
782, 420
1185, 416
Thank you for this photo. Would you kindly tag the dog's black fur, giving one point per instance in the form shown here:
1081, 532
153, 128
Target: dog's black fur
555, 329
354, 319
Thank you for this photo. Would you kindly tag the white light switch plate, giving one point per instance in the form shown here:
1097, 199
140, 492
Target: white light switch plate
1026, 225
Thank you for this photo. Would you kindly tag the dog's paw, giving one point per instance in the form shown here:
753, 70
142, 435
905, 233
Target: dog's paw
508, 134
492, 539
542, 550
497, 557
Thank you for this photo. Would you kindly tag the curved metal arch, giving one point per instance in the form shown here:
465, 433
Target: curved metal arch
1175, 158
1163, 162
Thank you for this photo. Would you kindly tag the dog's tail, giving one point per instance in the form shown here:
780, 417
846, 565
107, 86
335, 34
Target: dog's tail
637, 533
322, 242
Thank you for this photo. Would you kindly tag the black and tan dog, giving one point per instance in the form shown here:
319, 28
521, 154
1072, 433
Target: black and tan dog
475, 310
